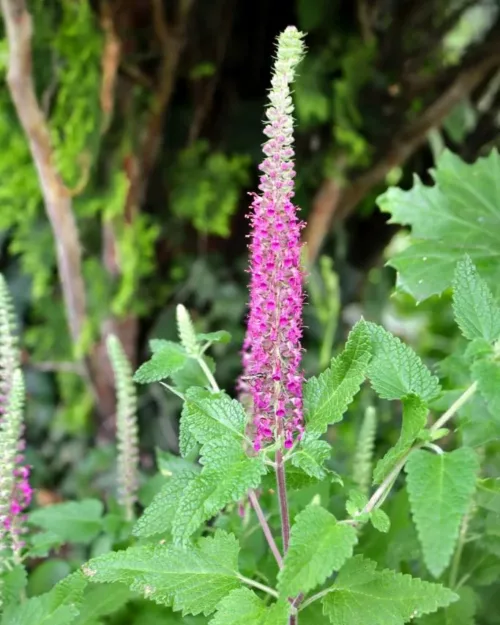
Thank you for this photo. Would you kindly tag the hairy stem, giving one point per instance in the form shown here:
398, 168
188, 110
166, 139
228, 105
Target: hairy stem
283, 500
464, 398
255, 584
265, 527
208, 374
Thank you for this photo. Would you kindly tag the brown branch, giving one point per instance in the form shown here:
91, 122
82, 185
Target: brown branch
57, 198
335, 200
110, 63
172, 42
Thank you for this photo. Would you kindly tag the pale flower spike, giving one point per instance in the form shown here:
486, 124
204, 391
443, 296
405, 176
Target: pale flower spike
15, 490
272, 347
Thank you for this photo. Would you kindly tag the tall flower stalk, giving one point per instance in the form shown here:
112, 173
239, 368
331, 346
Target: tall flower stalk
272, 346
15, 491
272, 350
127, 430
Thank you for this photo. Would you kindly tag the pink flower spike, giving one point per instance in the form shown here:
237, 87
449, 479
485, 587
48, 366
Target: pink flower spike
272, 347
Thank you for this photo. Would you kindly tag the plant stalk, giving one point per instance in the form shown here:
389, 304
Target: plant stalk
252, 496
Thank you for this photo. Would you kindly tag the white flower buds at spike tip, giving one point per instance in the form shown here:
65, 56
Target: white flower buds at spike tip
185, 328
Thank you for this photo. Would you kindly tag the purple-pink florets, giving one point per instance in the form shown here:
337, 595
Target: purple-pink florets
272, 347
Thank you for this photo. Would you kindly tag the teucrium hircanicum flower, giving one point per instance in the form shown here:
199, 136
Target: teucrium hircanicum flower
272, 350
15, 491
126, 424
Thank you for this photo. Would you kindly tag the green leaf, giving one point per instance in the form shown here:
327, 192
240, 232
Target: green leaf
187, 442
356, 502
211, 415
380, 521
460, 213
73, 521
42, 543
100, 601
227, 475
170, 464
60, 606
319, 545
440, 488
396, 371
476, 313
363, 595
12, 584
221, 336
193, 579
461, 612
414, 419
159, 515
487, 375
327, 397
167, 360
244, 607
311, 455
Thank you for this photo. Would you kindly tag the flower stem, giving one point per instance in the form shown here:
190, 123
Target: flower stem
466, 395
265, 527
208, 374
283, 500
255, 584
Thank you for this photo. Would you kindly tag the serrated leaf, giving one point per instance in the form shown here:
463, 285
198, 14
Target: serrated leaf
156, 345
414, 419
476, 312
187, 441
166, 360
211, 415
318, 546
228, 473
311, 455
396, 371
461, 612
60, 606
244, 607
73, 521
380, 521
193, 579
327, 397
363, 595
440, 488
158, 517
221, 336
461, 213
231, 470
487, 375
170, 464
